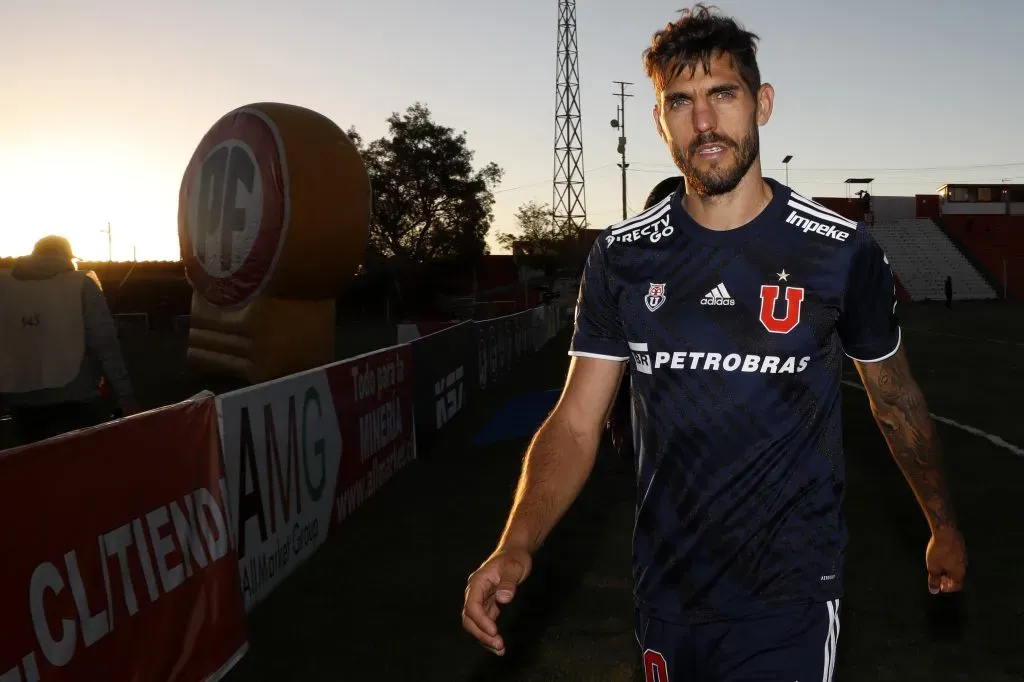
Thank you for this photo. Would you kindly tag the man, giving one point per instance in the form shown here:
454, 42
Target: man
732, 302
949, 291
865, 203
58, 341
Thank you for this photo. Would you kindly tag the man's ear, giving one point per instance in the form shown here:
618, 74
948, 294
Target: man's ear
765, 102
657, 121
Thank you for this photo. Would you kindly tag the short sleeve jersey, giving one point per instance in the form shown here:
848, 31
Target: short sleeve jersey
735, 342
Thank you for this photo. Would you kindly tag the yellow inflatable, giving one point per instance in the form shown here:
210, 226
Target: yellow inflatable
273, 221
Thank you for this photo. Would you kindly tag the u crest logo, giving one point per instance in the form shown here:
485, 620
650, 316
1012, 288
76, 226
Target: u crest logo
769, 296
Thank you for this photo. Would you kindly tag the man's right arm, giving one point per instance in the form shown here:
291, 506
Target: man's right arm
562, 454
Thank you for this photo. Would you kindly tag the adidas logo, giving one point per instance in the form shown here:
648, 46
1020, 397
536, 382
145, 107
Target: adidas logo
718, 296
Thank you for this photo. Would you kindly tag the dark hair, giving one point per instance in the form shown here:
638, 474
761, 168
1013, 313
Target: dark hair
662, 190
696, 37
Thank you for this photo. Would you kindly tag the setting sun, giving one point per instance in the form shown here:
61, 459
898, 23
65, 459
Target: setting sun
75, 188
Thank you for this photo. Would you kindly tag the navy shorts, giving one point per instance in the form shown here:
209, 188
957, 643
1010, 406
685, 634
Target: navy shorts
787, 644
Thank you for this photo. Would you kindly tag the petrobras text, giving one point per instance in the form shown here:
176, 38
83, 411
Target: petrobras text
648, 362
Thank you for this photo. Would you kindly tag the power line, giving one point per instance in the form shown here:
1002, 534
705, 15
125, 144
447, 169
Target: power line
896, 180
662, 167
548, 181
867, 170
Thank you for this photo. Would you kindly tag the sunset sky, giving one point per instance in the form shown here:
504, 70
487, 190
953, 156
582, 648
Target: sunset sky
104, 102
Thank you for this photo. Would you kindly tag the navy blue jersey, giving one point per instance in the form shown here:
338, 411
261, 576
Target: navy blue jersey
735, 343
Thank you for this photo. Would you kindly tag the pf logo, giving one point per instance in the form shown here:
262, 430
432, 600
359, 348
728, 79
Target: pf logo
791, 318
273, 222
233, 200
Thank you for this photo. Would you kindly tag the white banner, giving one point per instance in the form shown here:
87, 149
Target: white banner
282, 450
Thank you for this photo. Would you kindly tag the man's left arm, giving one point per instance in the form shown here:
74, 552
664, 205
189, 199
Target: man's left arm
871, 337
902, 416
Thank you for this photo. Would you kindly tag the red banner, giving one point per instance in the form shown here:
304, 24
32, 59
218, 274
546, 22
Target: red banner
118, 562
373, 397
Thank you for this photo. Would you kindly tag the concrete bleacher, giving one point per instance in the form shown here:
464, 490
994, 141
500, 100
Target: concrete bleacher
922, 256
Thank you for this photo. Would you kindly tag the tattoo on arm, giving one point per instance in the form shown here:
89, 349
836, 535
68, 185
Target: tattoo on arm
902, 415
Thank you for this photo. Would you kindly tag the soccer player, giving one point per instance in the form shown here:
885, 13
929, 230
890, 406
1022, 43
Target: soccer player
731, 302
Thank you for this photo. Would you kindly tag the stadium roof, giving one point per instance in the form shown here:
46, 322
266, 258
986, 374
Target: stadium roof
980, 184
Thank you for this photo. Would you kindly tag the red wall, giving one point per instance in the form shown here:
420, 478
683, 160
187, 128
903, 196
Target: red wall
848, 208
993, 238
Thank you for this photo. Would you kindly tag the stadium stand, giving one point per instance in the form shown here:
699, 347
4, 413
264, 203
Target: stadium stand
922, 256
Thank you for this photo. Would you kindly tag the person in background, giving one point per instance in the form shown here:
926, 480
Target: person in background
58, 343
949, 291
865, 202
620, 425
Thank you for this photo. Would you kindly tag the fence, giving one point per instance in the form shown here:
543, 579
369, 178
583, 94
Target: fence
208, 506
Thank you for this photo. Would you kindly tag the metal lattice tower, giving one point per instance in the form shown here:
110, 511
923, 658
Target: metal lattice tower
569, 204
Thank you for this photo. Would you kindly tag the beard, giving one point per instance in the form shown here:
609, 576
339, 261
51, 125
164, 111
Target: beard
720, 177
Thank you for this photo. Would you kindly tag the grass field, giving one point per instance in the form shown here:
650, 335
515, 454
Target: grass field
382, 600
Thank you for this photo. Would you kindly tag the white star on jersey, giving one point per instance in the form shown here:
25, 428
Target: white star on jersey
783, 276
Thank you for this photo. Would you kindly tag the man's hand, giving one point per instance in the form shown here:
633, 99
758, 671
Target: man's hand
491, 585
555, 469
946, 559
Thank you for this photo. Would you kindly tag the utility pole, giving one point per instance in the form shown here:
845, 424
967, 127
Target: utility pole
110, 243
619, 122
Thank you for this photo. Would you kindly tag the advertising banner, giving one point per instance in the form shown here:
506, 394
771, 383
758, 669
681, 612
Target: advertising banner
305, 451
373, 396
444, 372
501, 343
120, 565
282, 451
540, 325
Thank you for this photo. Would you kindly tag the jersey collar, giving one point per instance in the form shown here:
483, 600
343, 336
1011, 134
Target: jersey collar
765, 220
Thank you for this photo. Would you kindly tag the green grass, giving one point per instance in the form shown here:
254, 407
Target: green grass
382, 600
892, 628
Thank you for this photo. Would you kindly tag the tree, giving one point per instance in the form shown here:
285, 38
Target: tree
540, 243
536, 228
429, 203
